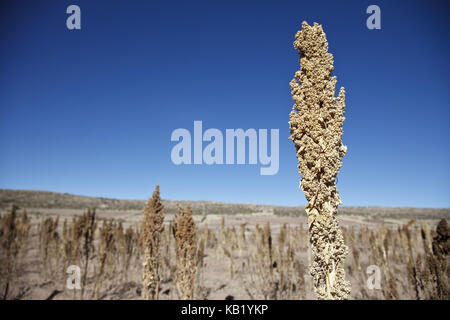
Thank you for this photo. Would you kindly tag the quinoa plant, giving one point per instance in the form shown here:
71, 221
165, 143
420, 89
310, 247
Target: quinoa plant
186, 249
316, 130
152, 229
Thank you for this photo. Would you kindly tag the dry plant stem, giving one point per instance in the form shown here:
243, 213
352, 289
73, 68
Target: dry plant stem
89, 225
272, 269
152, 229
49, 245
106, 248
441, 249
186, 248
13, 239
316, 129
127, 250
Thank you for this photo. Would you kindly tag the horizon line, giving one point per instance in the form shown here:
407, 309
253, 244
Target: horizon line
225, 202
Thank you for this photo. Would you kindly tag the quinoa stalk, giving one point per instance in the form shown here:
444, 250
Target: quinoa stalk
316, 129
89, 225
186, 248
152, 229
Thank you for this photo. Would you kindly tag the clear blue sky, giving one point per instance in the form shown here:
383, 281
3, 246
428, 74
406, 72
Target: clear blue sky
91, 111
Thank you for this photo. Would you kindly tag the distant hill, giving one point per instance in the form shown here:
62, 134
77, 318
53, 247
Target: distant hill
55, 200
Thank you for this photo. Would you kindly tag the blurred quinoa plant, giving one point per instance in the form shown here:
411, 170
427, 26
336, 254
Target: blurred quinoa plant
316, 129
186, 248
14, 232
152, 229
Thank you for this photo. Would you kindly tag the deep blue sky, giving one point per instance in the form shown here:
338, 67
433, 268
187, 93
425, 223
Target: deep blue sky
91, 111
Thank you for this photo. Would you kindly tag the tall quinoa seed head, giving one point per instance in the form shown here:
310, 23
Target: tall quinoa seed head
152, 228
316, 129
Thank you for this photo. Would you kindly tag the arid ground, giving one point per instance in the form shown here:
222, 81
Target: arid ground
244, 251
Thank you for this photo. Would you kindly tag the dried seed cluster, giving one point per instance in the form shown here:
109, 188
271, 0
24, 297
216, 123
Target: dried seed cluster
316, 129
186, 249
152, 229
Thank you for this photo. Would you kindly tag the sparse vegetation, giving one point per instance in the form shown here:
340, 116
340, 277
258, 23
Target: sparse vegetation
214, 256
13, 243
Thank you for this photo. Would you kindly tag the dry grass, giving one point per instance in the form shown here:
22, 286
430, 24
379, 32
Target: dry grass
13, 241
105, 254
245, 257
